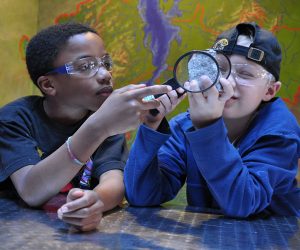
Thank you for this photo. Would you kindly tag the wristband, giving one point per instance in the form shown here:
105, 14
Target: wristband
72, 156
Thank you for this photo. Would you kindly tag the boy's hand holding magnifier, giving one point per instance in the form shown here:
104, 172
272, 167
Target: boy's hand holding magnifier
196, 72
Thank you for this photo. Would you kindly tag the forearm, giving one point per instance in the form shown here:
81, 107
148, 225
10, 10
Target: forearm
38, 183
242, 185
223, 170
144, 180
111, 189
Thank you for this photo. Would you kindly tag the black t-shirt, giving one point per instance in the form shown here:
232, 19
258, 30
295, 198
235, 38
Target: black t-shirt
27, 136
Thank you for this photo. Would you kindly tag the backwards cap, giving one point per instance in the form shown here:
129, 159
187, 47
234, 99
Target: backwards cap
264, 50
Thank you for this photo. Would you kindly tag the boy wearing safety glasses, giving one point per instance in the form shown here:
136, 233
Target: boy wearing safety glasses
236, 150
72, 135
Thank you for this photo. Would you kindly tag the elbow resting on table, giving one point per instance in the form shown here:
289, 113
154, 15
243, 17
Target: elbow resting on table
32, 200
242, 211
152, 198
141, 201
237, 214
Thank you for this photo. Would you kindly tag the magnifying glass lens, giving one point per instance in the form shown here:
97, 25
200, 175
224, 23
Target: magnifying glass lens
224, 65
199, 70
203, 72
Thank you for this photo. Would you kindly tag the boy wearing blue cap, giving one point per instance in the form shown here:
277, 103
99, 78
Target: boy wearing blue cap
237, 151
72, 135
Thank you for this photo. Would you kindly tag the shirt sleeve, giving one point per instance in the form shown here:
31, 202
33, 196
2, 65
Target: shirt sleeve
154, 172
17, 148
111, 154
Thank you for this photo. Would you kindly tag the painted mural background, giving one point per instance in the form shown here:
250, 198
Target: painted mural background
146, 37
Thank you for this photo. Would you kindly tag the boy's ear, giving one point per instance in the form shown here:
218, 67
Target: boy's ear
46, 85
271, 91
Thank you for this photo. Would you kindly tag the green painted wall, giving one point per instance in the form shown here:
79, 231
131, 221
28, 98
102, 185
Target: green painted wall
196, 25
17, 17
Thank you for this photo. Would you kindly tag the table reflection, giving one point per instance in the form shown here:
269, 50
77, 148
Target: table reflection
143, 228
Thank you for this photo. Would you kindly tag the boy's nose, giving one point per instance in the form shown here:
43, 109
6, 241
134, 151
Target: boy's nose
103, 76
232, 79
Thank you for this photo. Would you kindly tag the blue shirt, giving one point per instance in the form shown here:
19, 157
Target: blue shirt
258, 176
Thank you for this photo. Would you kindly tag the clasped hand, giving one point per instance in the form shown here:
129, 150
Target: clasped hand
83, 209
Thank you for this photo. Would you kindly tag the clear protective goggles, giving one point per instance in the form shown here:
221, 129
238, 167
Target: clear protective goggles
84, 67
246, 74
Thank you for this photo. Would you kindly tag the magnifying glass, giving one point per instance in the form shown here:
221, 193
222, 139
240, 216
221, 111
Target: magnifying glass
197, 65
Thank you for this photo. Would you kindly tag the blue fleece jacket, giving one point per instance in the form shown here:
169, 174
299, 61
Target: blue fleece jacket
258, 176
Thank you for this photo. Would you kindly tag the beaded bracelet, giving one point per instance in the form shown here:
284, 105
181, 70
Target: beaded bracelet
87, 172
72, 156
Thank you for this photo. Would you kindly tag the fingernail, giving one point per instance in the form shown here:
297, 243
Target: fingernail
64, 209
59, 214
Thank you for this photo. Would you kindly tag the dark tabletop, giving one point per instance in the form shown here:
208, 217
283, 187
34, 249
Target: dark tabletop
143, 228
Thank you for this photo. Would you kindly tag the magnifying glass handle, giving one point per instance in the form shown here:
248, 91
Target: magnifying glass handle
172, 82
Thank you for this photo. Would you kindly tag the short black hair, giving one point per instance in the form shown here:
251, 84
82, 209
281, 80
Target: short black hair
44, 47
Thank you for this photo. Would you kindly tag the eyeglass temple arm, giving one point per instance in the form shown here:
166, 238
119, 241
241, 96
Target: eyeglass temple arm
60, 70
